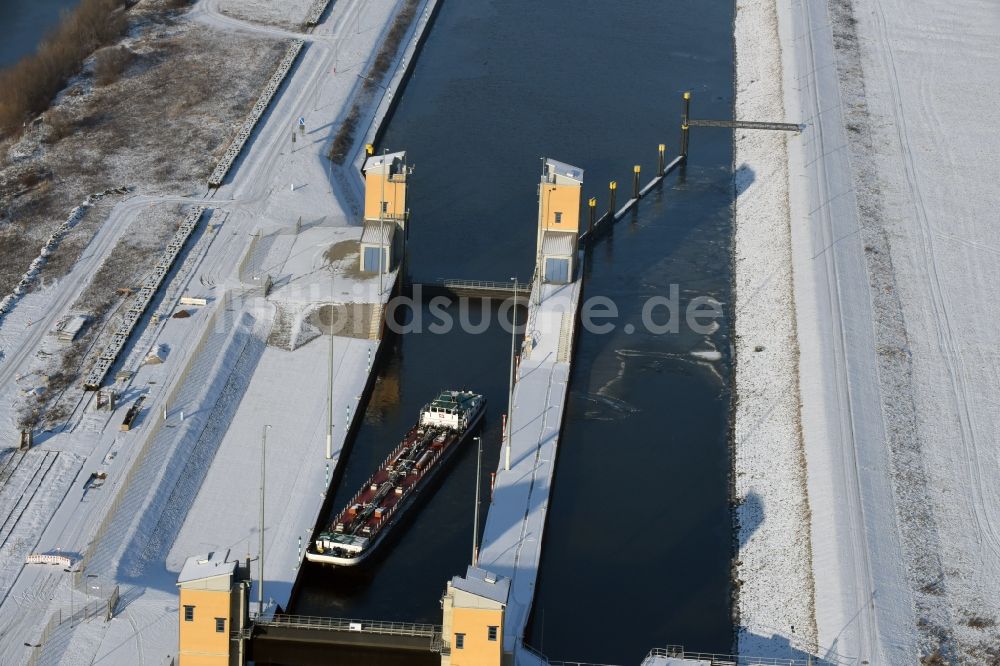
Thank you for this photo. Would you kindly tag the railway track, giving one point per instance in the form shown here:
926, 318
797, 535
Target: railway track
25, 497
9, 464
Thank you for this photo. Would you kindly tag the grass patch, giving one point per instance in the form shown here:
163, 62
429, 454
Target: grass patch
344, 138
391, 44
110, 63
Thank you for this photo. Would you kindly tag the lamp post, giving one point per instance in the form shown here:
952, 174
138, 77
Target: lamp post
329, 395
510, 389
381, 223
539, 269
475, 520
260, 557
71, 604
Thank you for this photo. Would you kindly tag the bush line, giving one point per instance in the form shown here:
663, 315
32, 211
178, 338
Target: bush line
30, 85
344, 139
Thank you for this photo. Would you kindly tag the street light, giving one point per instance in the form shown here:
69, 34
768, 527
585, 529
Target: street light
475, 520
329, 395
71, 605
539, 269
260, 584
510, 389
381, 223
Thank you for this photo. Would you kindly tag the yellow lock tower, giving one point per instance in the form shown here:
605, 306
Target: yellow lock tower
473, 622
558, 221
213, 613
384, 233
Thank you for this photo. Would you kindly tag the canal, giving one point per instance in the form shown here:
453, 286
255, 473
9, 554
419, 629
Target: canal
23, 23
638, 543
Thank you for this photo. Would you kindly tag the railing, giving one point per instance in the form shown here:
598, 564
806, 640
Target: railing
485, 285
55, 624
747, 124
679, 652
432, 631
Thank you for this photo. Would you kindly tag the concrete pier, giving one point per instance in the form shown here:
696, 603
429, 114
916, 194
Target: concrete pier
512, 538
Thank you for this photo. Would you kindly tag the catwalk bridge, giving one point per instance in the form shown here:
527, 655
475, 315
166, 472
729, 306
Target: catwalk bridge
453, 288
346, 632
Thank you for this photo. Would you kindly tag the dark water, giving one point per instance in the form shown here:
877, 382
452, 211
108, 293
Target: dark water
408, 582
638, 543
283, 653
23, 23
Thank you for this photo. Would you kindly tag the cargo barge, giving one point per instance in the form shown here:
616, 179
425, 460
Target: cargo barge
363, 524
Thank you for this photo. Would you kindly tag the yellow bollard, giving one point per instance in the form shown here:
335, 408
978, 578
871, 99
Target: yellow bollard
685, 117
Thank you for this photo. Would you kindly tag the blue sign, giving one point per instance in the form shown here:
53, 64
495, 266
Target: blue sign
302, 121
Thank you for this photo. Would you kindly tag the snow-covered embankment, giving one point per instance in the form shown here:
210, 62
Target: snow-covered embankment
775, 595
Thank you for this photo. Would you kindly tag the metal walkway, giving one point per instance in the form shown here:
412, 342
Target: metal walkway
349, 632
746, 124
475, 289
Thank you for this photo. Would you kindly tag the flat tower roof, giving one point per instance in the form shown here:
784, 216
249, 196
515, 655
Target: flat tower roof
484, 584
557, 168
378, 163
206, 566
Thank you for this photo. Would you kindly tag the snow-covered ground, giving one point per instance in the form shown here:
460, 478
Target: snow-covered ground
893, 214
289, 14
923, 166
773, 568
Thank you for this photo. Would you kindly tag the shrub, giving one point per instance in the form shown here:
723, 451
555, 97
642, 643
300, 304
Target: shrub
344, 139
110, 63
392, 40
61, 124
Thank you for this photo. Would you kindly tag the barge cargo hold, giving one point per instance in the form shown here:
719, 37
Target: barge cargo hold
381, 503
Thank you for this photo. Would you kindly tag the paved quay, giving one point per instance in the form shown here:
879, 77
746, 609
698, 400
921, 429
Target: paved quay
184, 481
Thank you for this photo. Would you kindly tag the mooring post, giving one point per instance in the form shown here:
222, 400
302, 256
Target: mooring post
662, 164
635, 181
613, 186
369, 149
592, 203
684, 124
